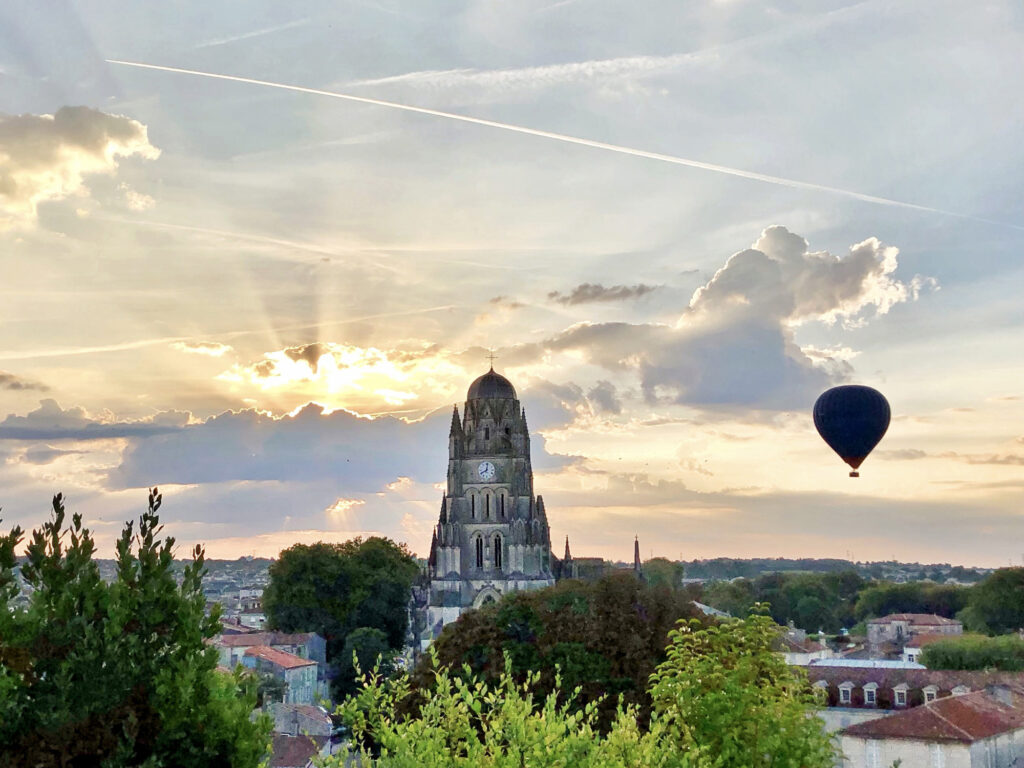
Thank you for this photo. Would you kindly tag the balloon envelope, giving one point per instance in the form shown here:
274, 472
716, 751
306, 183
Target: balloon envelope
852, 419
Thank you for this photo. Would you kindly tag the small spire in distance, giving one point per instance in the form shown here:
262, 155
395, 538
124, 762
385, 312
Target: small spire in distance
636, 554
568, 556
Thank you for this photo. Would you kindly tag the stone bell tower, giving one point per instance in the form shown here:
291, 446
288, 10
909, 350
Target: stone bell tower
492, 536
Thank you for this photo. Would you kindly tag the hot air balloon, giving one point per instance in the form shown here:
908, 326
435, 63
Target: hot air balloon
852, 419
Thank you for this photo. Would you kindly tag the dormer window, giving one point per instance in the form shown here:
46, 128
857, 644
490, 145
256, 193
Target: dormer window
931, 693
900, 695
871, 694
845, 693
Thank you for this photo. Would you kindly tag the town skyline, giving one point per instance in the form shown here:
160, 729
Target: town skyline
266, 302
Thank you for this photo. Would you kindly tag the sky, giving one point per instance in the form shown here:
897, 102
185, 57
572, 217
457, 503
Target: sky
674, 224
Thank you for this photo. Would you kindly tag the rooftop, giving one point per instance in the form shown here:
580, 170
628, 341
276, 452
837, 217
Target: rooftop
280, 658
966, 718
263, 638
916, 619
491, 385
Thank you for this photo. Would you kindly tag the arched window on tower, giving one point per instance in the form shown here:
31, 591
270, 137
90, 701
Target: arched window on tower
487, 506
503, 506
472, 506
497, 551
487, 433
479, 552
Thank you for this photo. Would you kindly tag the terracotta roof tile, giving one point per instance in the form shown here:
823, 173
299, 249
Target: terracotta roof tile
263, 638
280, 658
294, 751
966, 718
916, 619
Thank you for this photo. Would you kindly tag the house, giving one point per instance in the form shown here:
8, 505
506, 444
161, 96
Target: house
800, 651
889, 634
298, 673
296, 751
307, 645
853, 693
912, 650
983, 729
299, 719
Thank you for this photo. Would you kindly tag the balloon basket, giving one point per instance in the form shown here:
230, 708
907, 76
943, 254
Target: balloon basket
855, 474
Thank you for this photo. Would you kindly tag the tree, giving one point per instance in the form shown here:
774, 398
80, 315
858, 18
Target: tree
120, 673
733, 597
996, 605
722, 698
912, 597
662, 572
1005, 653
364, 648
604, 637
333, 589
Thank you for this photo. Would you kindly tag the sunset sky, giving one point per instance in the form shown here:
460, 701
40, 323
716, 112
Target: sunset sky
266, 300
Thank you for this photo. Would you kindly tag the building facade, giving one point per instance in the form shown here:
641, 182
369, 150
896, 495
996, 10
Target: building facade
492, 534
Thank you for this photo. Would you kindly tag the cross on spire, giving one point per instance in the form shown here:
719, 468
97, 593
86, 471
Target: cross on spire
492, 357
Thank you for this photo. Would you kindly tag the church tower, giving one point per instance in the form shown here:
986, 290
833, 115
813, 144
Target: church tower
492, 535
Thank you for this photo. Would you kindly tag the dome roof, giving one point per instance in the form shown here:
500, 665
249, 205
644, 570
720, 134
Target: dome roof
491, 386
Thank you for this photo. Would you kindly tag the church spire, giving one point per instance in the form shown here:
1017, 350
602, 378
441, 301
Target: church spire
636, 555
568, 556
456, 429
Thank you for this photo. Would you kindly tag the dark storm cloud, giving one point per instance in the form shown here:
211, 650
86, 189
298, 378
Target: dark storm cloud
51, 422
310, 353
15, 383
586, 293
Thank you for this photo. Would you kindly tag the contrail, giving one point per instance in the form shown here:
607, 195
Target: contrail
739, 172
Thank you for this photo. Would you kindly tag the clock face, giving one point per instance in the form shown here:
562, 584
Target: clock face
486, 470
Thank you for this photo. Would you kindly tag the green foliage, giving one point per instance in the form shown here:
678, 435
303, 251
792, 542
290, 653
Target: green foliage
725, 697
996, 605
364, 648
270, 688
116, 674
333, 589
606, 637
1004, 653
722, 700
812, 601
912, 597
662, 572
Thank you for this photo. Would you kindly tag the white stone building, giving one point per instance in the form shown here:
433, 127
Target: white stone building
984, 729
492, 534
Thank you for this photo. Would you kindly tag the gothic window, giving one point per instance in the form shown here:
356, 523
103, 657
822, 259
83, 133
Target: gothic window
497, 552
503, 506
472, 506
487, 506
479, 552
487, 433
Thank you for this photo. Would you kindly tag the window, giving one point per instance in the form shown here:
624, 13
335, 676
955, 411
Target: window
487, 507
497, 552
870, 696
844, 694
930, 694
472, 506
503, 506
479, 552
507, 431
901, 697
487, 433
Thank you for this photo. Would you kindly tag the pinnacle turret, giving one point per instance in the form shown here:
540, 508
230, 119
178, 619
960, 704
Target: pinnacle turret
568, 556
456, 430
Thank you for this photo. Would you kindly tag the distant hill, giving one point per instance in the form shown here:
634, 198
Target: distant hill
891, 570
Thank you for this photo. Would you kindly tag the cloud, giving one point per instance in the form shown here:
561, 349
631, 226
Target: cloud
46, 157
605, 398
45, 454
586, 293
15, 383
734, 345
207, 348
51, 422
